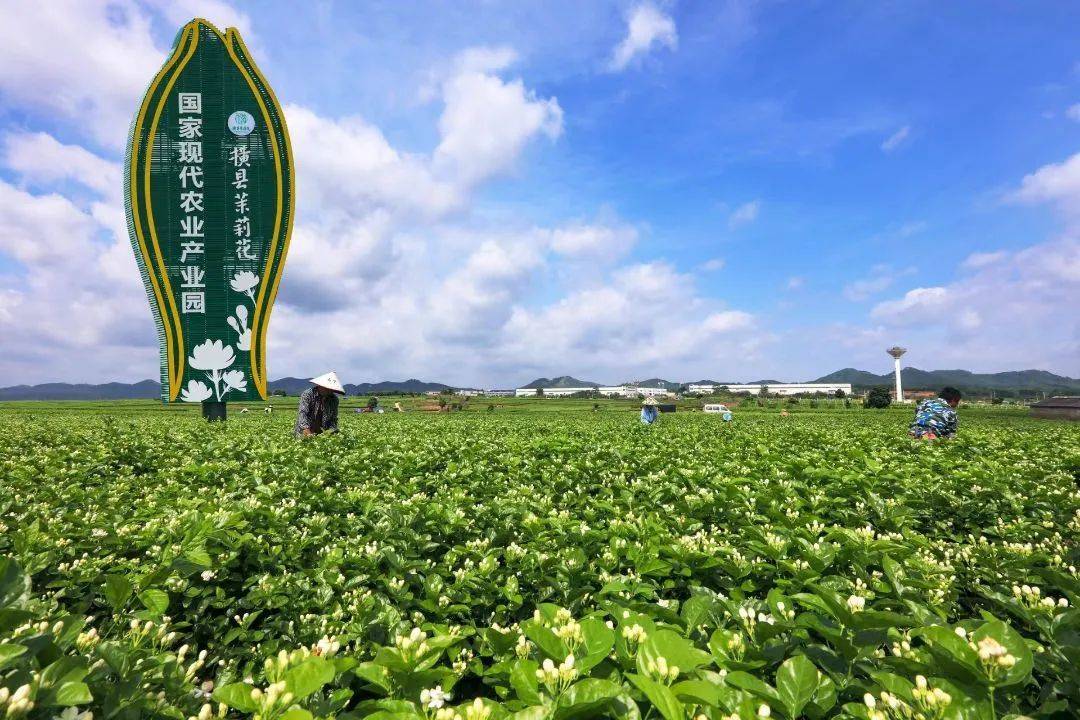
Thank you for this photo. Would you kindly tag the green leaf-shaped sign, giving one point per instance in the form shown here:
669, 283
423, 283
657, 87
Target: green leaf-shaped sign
209, 191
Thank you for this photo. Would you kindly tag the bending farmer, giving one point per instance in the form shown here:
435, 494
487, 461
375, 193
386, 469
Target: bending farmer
649, 413
318, 411
936, 418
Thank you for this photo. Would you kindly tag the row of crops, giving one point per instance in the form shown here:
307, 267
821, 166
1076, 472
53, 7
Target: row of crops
553, 566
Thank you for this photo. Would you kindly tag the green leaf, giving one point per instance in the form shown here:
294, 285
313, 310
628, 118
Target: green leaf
117, 590
953, 647
72, 693
695, 611
546, 640
796, 682
898, 686
154, 600
523, 680
746, 681
308, 677
1014, 643
719, 641
14, 583
66, 669
700, 692
199, 556
115, 656
584, 697
296, 714
673, 647
237, 696
661, 696
377, 675
11, 618
824, 697
598, 641
10, 651
895, 573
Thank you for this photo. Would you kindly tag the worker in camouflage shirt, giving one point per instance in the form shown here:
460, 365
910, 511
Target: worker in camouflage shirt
936, 418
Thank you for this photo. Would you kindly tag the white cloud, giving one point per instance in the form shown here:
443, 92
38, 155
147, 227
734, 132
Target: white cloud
38, 230
795, 282
896, 139
485, 59
744, 214
487, 121
646, 317
220, 13
350, 166
727, 321
87, 62
1015, 311
913, 227
1057, 183
593, 240
913, 307
395, 271
979, 260
646, 26
881, 277
477, 299
377, 241
40, 158
1073, 112
860, 290
76, 302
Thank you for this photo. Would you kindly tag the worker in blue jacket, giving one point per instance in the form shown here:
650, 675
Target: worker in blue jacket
649, 413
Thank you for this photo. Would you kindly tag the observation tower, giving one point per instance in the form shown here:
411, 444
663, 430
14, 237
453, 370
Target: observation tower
896, 351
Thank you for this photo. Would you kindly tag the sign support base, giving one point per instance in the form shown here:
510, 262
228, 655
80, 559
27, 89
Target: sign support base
213, 411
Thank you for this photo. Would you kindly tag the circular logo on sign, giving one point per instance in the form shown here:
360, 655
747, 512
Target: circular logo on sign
241, 123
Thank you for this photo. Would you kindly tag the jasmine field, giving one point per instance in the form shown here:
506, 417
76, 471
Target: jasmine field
553, 565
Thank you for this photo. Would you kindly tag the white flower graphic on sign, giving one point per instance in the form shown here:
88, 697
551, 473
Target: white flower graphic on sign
212, 357
239, 324
196, 391
235, 380
245, 282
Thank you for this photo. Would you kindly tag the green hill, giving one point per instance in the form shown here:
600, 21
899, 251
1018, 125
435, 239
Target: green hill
563, 381
1013, 382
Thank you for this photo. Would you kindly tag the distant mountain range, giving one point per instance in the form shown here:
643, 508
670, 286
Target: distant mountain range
1020, 381
295, 386
563, 381
66, 391
151, 390
655, 383
915, 379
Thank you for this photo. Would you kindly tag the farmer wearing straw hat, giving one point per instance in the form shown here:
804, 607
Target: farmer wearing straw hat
318, 411
649, 413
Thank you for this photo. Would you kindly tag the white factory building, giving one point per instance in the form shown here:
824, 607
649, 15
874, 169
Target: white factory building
776, 389
633, 391
630, 391
552, 392
627, 391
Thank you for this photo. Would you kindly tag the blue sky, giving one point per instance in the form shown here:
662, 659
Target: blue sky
493, 191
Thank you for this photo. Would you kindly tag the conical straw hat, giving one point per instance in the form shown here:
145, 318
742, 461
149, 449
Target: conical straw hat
330, 382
